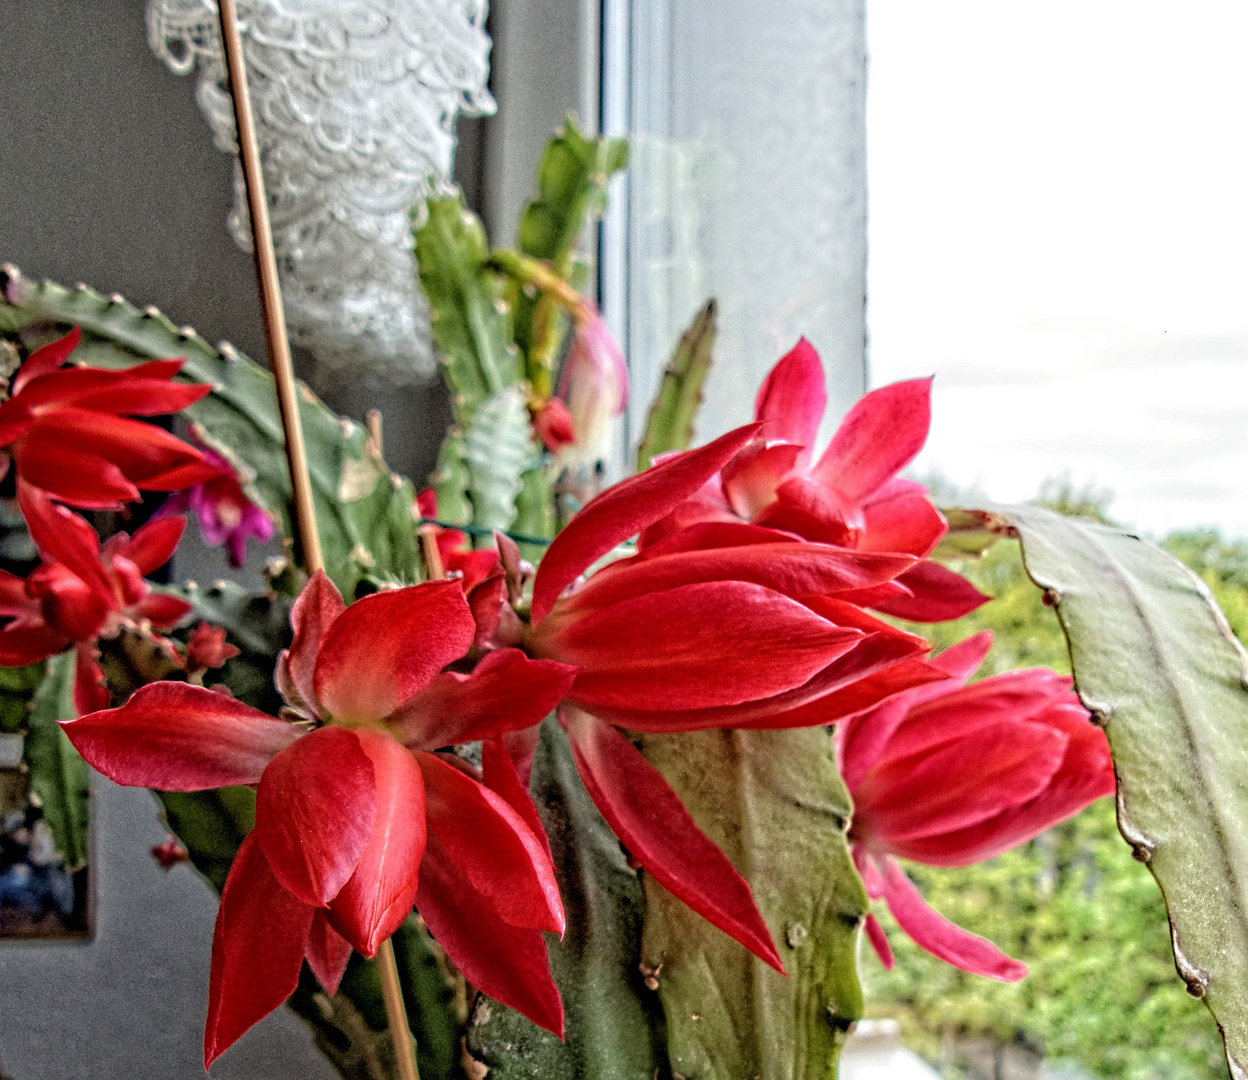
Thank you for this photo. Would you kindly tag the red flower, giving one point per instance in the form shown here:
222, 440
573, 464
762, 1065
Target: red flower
206, 649
953, 774
554, 425
81, 594
851, 496
68, 433
356, 818
225, 514
717, 625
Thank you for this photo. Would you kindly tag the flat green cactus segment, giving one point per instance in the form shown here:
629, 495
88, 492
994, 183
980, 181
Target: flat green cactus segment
535, 511
1157, 664
211, 825
778, 809
17, 687
670, 424
59, 778
612, 1022
572, 189
364, 512
498, 449
471, 323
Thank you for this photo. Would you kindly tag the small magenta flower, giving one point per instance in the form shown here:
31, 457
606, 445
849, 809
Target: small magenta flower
594, 386
225, 514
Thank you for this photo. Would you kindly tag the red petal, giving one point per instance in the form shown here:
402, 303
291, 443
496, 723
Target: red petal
140, 450
860, 740
154, 544
751, 478
504, 961
492, 846
161, 610
793, 569
381, 892
505, 692
522, 749
90, 686
793, 396
257, 950
66, 538
386, 647
938, 595
501, 777
25, 642
879, 941
315, 608
714, 534
45, 359
142, 397
975, 774
178, 737
181, 476
652, 822
81, 479
909, 523
945, 940
960, 661
327, 952
15, 421
626, 508
315, 809
878, 438
697, 646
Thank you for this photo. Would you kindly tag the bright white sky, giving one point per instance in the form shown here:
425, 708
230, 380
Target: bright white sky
1059, 230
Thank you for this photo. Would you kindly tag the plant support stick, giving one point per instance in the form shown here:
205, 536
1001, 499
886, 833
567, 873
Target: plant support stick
288, 402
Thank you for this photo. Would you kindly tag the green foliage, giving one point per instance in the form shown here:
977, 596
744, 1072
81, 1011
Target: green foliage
17, 687
613, 1025
778, 809
670, 424
363, 510
59, 778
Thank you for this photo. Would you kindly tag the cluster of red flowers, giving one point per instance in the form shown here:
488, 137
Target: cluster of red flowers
746, 605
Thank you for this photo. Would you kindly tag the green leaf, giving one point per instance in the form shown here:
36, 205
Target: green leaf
499, 448
1156, 663
17, 687
779, 810
363, 510
450, 480
211, 825
59, 778
471, 324
612, 1022
670, 425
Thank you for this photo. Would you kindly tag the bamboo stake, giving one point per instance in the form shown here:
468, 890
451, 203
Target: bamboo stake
270, 291
296, 453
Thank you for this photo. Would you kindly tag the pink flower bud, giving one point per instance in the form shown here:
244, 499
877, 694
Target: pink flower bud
554, 425
595, 387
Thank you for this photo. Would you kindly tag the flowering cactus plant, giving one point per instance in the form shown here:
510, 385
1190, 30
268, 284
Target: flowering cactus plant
616, 777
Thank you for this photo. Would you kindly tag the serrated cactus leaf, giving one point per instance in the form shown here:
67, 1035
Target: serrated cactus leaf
1157, 664
450, 480
363, 511
471, 323
535, 511
670, 424
59, 778
612, 1025
498, 449
779, 810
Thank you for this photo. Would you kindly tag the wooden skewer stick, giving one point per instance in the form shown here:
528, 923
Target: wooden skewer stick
270, 291
296, 453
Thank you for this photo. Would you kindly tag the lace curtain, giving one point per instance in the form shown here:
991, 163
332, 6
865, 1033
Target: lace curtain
355, 104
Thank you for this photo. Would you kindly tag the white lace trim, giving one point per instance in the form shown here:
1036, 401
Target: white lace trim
355, 104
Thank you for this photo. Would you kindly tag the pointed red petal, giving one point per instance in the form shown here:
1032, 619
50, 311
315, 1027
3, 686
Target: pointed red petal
501, 777
380, 893
909, 523
315, 608
15, 421
327, 952
961, 661
386, 647
257, 950
793, 396
626, 508
64, 537
751, 478
652, 822
938, 595
314, 812
161, 610
505, 692
140, 450
64, 386
177, 737
878, 438
794, 569
697, 646
504, 961
492, 846
90, 686
81, 479
154, 544
945, 940
139, 396
46, 359
879, 942
25, 642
